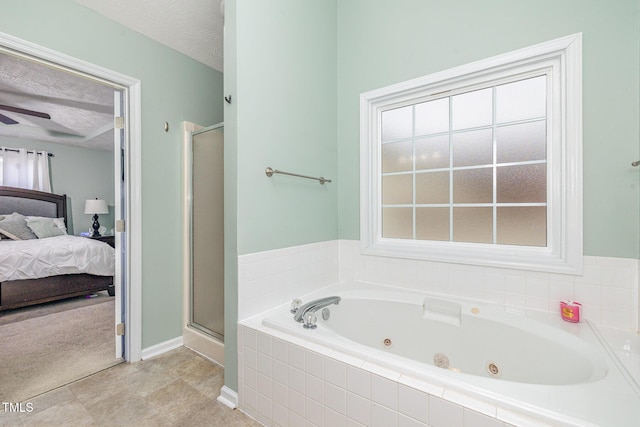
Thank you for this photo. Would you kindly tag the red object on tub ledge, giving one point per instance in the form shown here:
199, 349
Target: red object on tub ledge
570, 311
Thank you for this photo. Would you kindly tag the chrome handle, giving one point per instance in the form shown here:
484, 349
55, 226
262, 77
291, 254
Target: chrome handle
636, 163
310, 320
295, 305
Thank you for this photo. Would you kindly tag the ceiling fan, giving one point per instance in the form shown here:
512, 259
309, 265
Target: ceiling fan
9, 121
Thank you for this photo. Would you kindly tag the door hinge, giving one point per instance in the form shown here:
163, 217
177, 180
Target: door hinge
120, 225
118, 122
120, 329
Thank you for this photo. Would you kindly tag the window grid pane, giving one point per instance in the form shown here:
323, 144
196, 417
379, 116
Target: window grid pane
462, 177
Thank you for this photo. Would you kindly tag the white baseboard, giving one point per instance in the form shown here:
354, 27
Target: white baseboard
228, 397
163, 347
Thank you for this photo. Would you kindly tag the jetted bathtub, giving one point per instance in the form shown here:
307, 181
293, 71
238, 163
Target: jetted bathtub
533, 363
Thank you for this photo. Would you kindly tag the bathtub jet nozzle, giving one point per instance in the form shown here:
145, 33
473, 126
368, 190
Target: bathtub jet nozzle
313, 306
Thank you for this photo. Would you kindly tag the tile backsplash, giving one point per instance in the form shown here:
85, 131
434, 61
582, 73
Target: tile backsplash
267, 279
607, 289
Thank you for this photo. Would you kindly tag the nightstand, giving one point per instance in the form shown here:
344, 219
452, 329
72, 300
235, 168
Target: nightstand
109, 240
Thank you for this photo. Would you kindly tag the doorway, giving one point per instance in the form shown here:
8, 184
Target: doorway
127, 179
204, 240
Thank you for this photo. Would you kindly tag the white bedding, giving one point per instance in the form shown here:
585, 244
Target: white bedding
53, 256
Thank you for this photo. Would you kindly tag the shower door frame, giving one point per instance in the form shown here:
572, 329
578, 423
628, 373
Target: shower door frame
191, 130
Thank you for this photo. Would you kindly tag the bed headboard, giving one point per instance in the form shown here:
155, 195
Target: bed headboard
32, 203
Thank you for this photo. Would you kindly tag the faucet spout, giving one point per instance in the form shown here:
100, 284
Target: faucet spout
313, 306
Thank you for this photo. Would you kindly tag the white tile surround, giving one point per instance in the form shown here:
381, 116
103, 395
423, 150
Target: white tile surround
266, 279
608, 289
285, 384
284, 381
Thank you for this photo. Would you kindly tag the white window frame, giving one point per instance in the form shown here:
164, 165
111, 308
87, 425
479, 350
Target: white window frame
561, 59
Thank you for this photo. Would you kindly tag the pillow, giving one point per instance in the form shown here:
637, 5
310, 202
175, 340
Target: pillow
15, 227
44, 227
59, 222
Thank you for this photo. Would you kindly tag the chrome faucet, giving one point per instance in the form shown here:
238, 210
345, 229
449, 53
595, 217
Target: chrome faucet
307, 311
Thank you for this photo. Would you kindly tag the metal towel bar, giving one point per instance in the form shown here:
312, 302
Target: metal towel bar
269, 171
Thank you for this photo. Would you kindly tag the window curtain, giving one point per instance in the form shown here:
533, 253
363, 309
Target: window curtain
25, 169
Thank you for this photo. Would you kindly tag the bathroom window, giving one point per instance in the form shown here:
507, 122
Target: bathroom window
480, 164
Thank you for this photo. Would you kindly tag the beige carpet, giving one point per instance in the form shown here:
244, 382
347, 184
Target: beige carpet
54, 345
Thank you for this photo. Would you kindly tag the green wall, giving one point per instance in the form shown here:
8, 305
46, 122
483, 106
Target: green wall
286, 119
79, 173
381, 42
230, 201
174, 88
280, 68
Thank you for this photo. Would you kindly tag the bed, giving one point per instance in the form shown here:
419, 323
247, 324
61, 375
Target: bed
62, 279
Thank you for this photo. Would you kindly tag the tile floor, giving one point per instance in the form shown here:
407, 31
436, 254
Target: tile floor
178, 388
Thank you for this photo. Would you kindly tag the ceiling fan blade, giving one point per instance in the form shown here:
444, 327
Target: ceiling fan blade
7, 120
24, 111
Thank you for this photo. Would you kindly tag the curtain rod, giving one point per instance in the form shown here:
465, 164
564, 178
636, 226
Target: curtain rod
28, 151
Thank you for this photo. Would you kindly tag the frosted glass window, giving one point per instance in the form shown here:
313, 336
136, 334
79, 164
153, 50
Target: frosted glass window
522, 225
432, 188
397, 223
432, 117
432, 153
521, 100
397, 156
432, 223
457, 166
474, 225
476, 155
397, 189
472, 148
472, 109
473, 186
522, 184
397, 124
521, 142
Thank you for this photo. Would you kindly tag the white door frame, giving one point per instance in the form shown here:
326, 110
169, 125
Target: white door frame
132, 169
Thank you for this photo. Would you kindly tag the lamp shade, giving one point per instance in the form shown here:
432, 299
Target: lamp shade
96, 206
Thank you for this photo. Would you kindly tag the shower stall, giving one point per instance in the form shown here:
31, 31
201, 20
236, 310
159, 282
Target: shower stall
204, 240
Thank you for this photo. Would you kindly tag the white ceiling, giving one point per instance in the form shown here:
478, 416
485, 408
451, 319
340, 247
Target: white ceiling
81, 110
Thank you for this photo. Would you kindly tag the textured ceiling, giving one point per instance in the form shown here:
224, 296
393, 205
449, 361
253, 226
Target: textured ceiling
82, 110
193, 27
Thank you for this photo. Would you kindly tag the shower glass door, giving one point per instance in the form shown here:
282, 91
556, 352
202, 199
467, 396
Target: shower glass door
207, 232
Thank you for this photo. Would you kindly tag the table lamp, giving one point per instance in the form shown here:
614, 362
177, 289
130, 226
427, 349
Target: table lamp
95, 207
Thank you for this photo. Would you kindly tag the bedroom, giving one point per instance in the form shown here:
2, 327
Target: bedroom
81, 168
